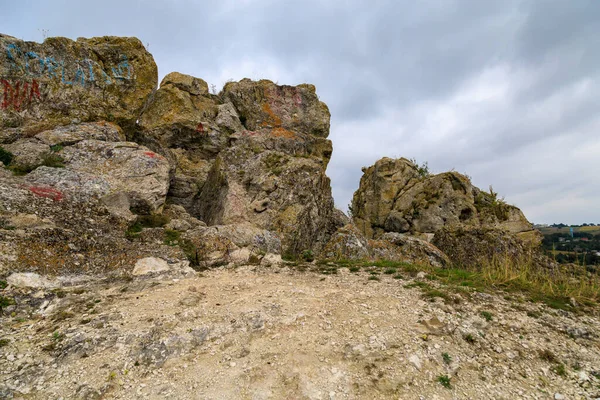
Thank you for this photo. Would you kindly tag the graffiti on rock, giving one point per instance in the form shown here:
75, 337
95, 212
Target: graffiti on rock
18, 94
72, 72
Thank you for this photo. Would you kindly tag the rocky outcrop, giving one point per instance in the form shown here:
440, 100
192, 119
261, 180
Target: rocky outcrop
395, 196
62, 81
348, 243
91, 161
256, 154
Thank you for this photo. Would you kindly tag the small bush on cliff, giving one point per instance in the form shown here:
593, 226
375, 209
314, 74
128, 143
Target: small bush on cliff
6, 156
422, 169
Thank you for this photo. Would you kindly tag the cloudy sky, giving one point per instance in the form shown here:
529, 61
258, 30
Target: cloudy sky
506, 91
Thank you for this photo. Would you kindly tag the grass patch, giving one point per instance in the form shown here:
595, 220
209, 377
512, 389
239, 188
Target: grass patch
447, 359
469, 338
145, 221
547, 355
354, 269
5, 302
488, 316
444, 380
374, 278
53, 160
172, 237
390, 271
560, 369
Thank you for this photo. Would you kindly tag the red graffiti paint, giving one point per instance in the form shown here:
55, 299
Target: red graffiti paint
200, 128
151, 154
19, 94
249, 133
47, 192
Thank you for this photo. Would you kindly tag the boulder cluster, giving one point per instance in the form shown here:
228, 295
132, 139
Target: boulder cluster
102, 166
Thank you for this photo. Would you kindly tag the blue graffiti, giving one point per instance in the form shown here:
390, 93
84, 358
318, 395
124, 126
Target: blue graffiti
118, 72
48, 66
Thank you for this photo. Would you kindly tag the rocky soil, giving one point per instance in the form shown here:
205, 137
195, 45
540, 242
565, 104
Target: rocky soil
287, 332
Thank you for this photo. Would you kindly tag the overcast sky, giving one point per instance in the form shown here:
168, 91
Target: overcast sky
505, 91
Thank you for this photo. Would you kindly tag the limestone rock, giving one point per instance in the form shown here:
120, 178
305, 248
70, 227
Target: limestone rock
95, 168
226, 170
54, 83
150, 265
346, 243
70, 134
472, 246
29, 280
27, 152
286, 109
399, 247
394, 196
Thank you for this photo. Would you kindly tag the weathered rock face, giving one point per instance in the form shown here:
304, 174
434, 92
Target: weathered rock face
91, 161
472, 247
394, 197
255, 154
63, 81
285, 109
348, 243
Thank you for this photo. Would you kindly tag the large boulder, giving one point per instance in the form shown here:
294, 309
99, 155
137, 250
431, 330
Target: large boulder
396, 196
60, 81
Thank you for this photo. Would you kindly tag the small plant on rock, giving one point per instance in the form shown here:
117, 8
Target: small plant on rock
308, 256
488, 316
444, 380
446, 357
469, 338
6, 156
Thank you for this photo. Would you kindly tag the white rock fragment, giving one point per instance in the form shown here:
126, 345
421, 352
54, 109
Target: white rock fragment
150, 265
30, 280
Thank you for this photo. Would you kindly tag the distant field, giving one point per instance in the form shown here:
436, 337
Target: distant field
589, 229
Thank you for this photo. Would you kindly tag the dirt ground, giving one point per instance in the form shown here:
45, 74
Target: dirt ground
278, 333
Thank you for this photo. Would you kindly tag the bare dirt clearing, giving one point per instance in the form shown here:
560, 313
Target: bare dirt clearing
275, 333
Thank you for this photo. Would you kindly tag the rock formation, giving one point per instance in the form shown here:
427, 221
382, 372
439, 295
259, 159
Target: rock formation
242, 172
63, 81
256, 154
396, 196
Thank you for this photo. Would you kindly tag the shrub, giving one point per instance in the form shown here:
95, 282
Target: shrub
444, 380
6, 156
487, 315
308, 256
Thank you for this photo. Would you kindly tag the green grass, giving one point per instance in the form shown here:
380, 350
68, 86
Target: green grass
488, 316
444, 380
469, 338
4, 342
172, 237
447, 359
53, 160
146, 221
